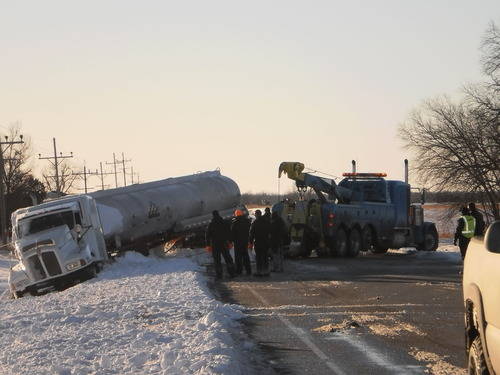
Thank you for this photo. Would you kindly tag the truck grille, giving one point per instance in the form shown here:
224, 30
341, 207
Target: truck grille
51, 265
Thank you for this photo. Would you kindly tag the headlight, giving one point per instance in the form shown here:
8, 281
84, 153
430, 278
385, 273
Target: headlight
74, 265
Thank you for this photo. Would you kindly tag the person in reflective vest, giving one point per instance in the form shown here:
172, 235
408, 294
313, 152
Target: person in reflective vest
479, 229
465, 230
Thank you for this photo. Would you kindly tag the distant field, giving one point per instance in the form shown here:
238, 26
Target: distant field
439, 214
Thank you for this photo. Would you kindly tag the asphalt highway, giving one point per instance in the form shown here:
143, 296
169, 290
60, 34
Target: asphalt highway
396, 313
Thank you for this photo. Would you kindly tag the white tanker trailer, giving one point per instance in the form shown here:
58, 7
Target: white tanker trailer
65, 240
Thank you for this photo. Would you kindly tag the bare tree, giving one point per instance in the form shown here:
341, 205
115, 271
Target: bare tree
21, 187
67, 179
457, 144
490, 59
456, 147
16, 159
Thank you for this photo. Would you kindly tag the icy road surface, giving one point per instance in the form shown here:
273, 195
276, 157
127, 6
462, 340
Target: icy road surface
139, 316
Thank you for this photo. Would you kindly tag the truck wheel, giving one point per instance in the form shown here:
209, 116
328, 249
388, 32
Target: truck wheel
367, 237
354, 243
477, 362
431, 240
340, 243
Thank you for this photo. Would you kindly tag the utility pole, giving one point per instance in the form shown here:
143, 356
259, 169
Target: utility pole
55, 161
102, 174
85, 173
114, 166
3, 206
132, 174
123, 161
124, 171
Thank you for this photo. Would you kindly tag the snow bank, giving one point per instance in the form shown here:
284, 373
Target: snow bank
139, 316
445, 252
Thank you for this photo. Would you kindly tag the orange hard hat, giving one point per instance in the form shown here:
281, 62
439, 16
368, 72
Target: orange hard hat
238, 213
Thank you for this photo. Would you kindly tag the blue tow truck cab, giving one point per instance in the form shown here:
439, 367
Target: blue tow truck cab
363, 212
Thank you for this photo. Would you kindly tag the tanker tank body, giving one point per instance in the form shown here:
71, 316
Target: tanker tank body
139, 216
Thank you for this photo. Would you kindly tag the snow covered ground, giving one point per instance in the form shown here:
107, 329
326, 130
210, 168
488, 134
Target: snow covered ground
5, 263
445, 252
141, 315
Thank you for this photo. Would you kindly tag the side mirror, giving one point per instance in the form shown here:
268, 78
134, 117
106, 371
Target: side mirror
492, 238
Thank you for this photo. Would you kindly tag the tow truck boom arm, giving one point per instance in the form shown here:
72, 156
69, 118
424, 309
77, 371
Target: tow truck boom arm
294, 171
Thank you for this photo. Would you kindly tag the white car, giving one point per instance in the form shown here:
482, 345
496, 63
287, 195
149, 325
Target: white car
481, 287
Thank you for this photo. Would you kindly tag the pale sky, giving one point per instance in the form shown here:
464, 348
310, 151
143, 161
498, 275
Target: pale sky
186, 86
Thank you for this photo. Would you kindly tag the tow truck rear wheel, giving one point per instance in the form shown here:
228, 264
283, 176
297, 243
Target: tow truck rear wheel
354, 243
431, 240
340, 243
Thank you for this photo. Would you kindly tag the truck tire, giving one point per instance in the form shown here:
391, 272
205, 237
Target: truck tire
367, 239
340, 243
354, 243
431, 239
476, 361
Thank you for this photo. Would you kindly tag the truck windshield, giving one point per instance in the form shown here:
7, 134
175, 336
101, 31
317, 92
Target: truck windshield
37, 224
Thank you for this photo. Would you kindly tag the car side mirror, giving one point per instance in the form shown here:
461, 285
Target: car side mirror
492, 237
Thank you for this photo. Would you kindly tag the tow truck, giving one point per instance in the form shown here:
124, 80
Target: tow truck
363, 212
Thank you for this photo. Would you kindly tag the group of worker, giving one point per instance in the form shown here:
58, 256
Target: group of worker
265, 235
470, 224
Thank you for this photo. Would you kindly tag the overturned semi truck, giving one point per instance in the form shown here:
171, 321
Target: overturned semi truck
66, 240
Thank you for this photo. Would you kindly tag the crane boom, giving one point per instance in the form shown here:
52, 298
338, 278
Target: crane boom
294, 171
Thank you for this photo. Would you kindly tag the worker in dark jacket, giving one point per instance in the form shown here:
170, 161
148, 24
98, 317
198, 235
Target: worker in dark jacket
217, 236
240, 229
479, 229
277, 237
465, 230
259, 236
267, 214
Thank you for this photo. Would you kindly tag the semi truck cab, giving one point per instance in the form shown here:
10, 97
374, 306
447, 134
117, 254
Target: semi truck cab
55, 242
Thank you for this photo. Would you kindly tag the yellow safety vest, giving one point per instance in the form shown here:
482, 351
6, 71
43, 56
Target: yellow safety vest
469, 226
